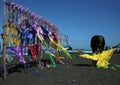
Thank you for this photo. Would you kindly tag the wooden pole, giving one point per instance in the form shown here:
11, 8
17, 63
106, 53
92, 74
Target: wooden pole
67, 40
4, 40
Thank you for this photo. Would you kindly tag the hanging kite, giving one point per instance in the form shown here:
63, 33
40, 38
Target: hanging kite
19, 51
12, 36
34, 50
24, 28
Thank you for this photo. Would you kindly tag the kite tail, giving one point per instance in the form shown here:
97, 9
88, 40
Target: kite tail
54, 64
114, 66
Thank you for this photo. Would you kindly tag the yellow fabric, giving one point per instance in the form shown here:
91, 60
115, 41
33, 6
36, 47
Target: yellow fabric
15, 41
90, 56
60, 46
57, 57
102, 58
40, 38
7, 34
12, 30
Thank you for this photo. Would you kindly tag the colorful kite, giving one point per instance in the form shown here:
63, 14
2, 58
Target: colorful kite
19, 51
34, 50
102, 58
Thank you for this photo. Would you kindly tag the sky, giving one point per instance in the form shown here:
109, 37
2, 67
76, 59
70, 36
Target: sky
79, 19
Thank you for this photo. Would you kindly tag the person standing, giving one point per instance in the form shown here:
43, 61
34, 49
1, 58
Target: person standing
97, 44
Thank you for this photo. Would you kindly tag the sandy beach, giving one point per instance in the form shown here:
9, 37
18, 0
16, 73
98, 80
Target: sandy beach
76, 71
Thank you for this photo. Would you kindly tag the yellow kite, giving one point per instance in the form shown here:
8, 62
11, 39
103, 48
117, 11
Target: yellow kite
102, 58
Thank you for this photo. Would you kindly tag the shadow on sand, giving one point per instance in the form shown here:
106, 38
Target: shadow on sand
83, 65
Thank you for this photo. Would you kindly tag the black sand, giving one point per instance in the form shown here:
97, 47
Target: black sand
77, 71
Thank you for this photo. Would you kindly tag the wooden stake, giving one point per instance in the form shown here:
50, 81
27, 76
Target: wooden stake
4, 55
4, 40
